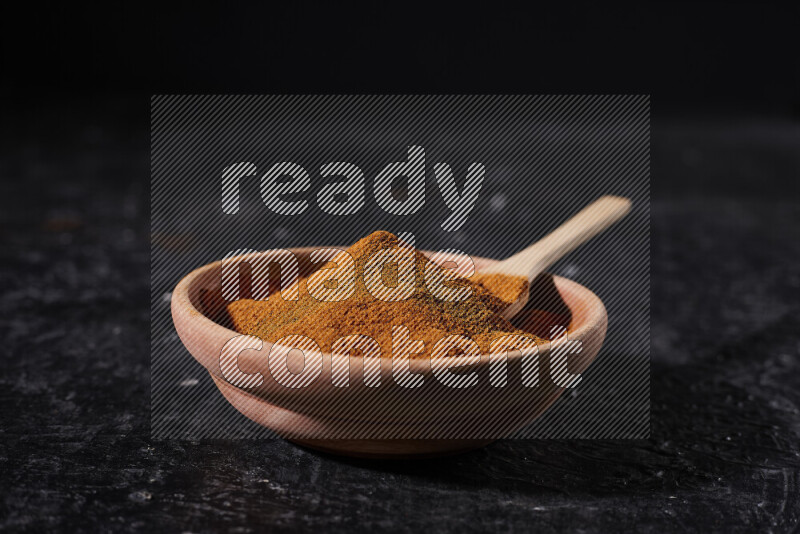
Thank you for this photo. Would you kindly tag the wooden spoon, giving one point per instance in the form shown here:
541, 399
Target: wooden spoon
583, 226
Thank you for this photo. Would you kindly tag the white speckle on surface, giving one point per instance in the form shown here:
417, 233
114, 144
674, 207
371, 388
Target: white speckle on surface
188, 383
276, 487
140, 496
571, 270
497, 202
166, 297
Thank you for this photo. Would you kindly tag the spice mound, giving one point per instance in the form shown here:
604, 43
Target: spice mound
427, 317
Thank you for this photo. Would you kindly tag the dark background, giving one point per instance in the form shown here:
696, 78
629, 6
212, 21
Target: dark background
75, 451
694, 57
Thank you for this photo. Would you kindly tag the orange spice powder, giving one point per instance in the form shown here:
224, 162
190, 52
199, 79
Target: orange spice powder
427, 317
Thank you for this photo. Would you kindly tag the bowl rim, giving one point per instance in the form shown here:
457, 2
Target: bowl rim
181, 300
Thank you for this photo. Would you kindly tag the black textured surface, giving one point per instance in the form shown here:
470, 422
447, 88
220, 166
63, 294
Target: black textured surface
75, 452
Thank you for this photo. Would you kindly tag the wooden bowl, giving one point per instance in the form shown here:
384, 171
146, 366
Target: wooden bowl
390, 420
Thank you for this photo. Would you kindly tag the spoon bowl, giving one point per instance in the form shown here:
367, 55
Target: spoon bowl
577, 230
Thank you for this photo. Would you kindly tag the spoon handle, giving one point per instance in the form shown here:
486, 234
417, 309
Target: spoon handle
579, 229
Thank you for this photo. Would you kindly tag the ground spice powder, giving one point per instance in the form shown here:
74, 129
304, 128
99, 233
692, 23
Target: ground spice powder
427, 317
